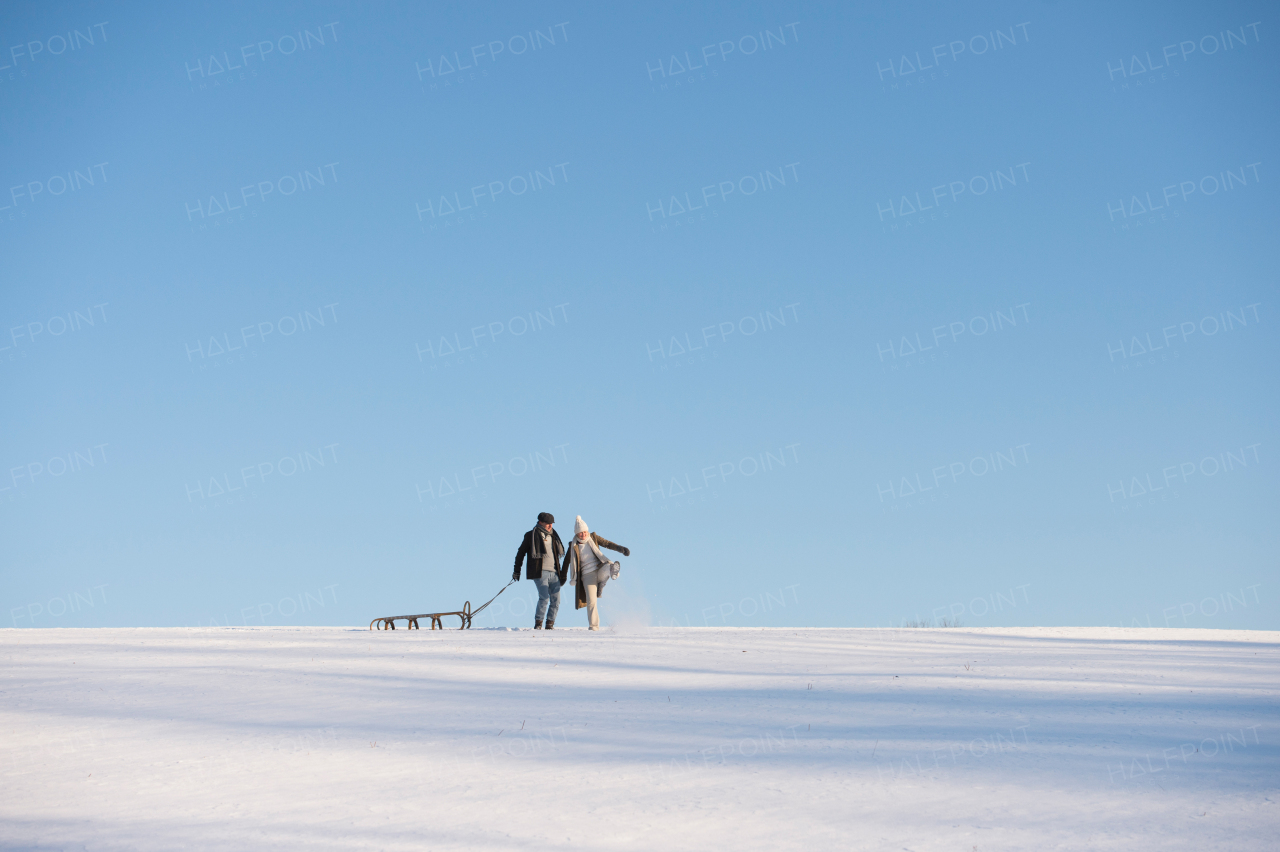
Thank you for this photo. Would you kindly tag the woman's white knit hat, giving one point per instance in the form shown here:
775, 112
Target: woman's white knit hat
579, 525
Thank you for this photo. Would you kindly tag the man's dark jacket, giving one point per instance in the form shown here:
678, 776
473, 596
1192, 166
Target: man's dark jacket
531, 548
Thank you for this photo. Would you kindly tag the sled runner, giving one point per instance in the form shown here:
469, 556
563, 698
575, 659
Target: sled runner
464, 615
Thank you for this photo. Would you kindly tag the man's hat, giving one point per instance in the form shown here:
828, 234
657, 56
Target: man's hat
546, 518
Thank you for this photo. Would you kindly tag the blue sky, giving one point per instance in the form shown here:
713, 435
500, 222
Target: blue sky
835, 315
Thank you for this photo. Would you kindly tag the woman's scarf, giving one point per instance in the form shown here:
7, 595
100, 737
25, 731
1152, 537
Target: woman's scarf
604, 562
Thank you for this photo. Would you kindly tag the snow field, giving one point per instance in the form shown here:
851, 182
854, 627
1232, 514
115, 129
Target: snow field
701, 738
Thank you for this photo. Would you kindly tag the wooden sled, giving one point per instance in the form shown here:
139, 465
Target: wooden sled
464, 615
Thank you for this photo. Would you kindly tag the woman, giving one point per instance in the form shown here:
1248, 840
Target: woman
589, 569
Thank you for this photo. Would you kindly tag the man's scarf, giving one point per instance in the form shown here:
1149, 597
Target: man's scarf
537, 551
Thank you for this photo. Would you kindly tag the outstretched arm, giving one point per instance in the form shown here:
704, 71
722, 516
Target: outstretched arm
520, 555
601, 541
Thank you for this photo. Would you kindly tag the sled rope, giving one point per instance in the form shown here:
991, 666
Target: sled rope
465, 615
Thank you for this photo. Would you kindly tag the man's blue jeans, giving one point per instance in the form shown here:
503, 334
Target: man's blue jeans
548, 596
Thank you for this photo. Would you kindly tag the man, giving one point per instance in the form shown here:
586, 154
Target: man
543, 548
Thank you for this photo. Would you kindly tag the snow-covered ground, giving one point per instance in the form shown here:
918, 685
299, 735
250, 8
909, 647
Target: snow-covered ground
655, 739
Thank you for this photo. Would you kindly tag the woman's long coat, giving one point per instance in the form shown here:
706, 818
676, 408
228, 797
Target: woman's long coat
571, 564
